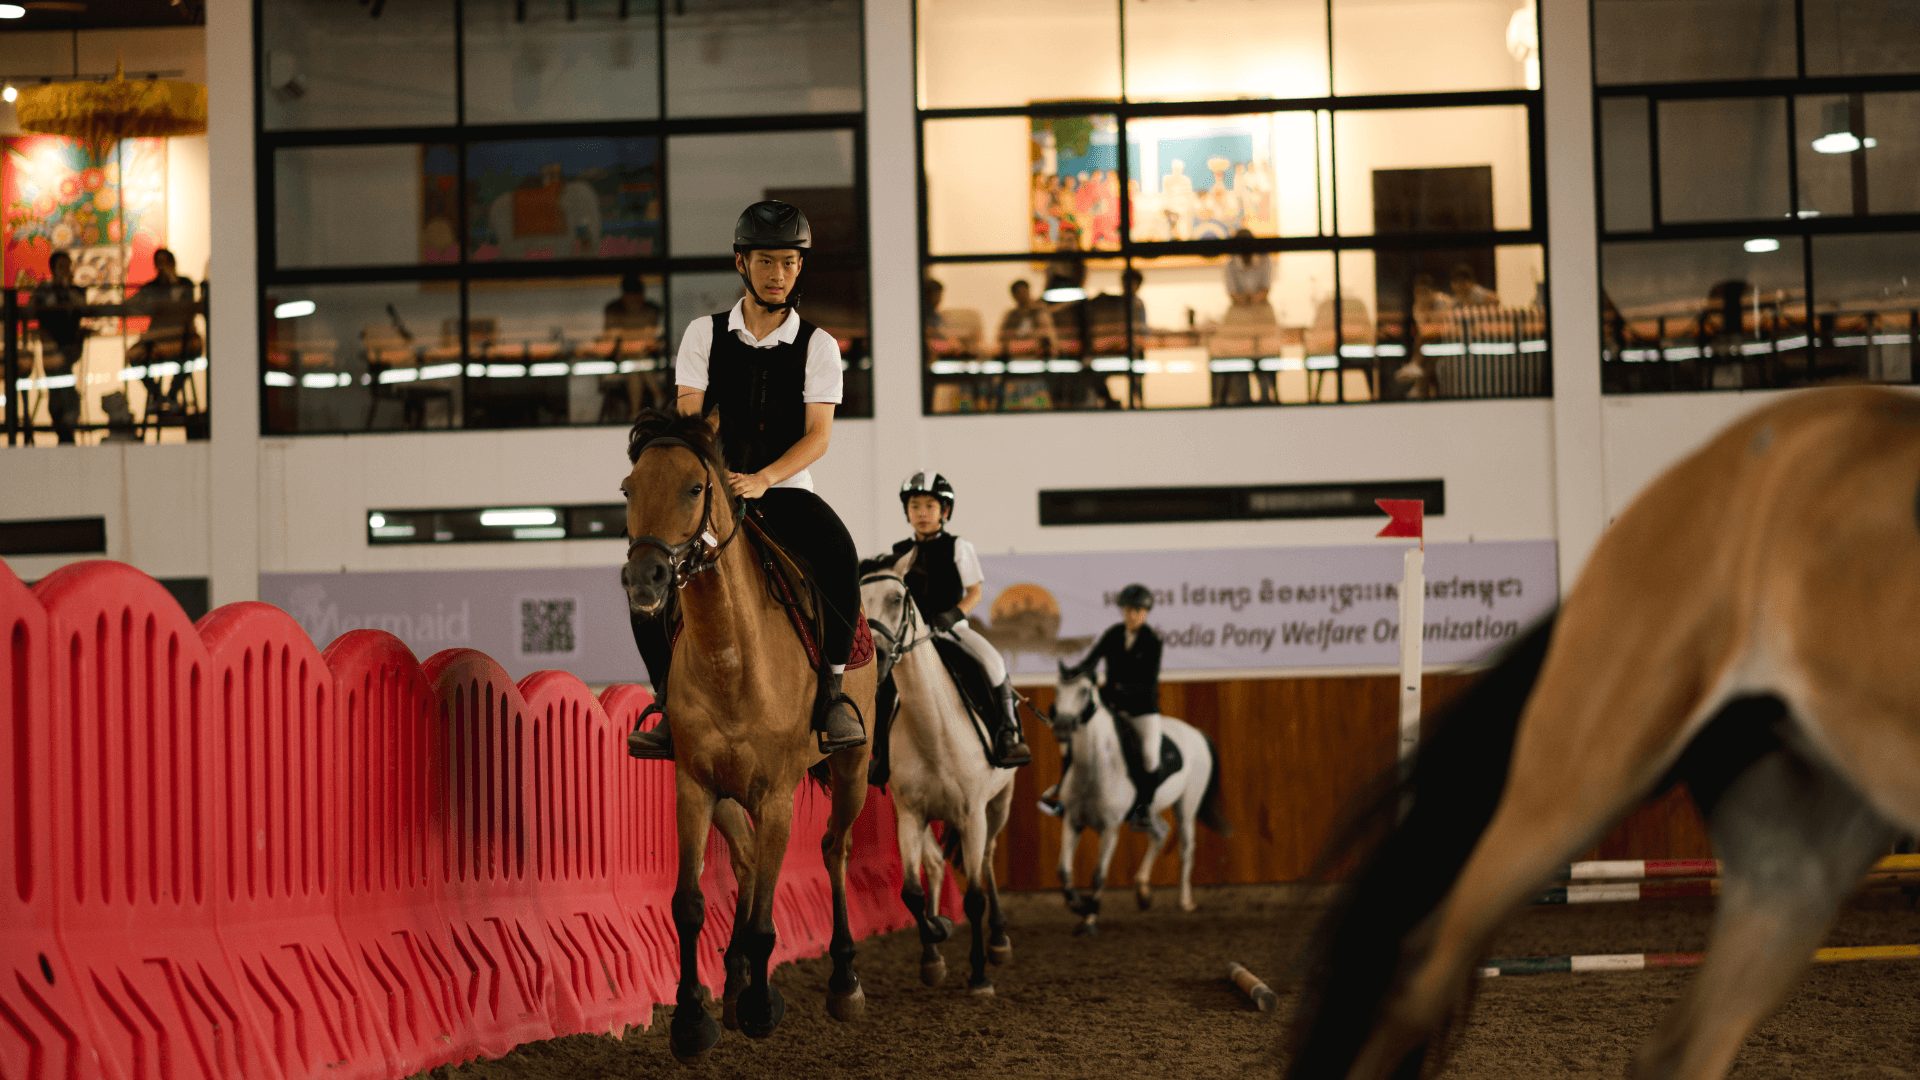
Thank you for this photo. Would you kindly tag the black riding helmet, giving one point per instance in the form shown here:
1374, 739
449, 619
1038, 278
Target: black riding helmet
1137, 595
926, 483
771, 225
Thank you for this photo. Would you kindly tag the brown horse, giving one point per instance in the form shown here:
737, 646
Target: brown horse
1746, 627
743, 691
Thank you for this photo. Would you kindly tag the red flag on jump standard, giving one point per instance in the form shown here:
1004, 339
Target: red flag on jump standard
1406, 517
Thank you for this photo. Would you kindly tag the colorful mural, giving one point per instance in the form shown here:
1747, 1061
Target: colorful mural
107, 207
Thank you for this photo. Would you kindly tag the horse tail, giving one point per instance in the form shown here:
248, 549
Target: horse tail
1407, 865
1210, 814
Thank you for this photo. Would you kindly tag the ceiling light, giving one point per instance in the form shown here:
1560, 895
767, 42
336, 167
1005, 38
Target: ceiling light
9, 94
503, 519
1842, 142
294, 309
12, 11
1063, 294
377, 520
540, 534
1762, 245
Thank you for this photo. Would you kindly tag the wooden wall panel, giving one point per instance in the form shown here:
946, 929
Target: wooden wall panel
1294, 753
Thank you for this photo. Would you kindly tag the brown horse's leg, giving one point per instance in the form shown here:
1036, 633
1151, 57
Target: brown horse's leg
845, 998
731, 820
761, 1006
693, 1032
1575, 770
1794, 840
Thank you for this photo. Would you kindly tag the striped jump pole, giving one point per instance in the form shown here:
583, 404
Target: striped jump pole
1616, 892
1549, 965
1654, 869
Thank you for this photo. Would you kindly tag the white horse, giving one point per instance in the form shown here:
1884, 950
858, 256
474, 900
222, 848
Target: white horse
1097, 792
939, 772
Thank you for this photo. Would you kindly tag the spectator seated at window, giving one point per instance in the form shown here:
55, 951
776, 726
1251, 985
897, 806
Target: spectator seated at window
1027, 327
167, 302
631, 315
1467, 290
58, 305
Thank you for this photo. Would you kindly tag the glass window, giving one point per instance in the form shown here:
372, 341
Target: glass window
389, 205
1645, 41
1626, 164
711, 178
1203, 50
544, 199
1231, 331
1831, 162
1064, 50
1433, 170
1000, 185
1209, 177
1893, 162
328, 64
762, 57
1862, 37
1867, 295
1723, 159
344, 358
583, 60
1423, 46
1702, 314
1440, 323
567, 351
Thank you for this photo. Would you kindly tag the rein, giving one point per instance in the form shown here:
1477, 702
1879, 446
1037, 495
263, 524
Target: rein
898, 642
700, 552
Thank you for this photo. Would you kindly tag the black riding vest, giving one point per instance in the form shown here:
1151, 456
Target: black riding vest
760, 395
934, 578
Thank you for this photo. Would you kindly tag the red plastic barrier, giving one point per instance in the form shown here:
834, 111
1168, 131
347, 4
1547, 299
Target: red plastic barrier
575, 752
233, 857
44, 1028
490, 896
644, 853
142, 791
280, 754
393, 785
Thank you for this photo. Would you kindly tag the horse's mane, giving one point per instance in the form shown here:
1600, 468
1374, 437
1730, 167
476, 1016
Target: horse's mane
654, 424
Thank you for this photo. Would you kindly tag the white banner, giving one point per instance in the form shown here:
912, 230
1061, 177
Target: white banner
1252, 609
1246, 609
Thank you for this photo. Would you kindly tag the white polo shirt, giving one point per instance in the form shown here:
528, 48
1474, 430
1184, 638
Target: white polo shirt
822, 385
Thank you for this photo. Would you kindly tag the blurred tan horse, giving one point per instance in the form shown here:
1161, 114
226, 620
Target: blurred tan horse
1748, 626
743, 694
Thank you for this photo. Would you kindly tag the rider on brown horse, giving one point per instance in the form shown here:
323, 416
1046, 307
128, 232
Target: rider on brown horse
773, 379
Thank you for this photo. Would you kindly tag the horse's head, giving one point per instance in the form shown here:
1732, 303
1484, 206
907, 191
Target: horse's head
1075, 699
889, 607
675, 481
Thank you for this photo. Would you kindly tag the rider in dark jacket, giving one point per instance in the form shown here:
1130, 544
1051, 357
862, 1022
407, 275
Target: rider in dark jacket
944, 581
774, 378
1131, 651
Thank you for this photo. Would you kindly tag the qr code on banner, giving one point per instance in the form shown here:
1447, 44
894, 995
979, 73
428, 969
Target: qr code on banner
549, 626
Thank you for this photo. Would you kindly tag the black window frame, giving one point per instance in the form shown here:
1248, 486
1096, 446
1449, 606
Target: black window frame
1793, 226
464, 272
1334, 243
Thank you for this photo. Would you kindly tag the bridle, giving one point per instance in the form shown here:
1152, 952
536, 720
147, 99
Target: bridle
896, 643
700, 552
1084, 716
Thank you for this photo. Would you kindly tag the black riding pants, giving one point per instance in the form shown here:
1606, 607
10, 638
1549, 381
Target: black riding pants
808, 528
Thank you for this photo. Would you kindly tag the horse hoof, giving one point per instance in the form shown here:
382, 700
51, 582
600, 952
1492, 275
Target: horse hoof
1000, 953
1144, 897
1084, 906
1086, 929
848, 1007
983, 988
761, 1011
942, 929
730, 1013
693, 1034
933, 972
1188, 905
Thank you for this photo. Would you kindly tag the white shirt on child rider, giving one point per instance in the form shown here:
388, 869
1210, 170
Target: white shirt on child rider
968, 562
822, 385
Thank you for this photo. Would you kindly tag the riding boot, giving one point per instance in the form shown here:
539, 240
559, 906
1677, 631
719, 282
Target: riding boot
1009, 745
837, 721
655, 745
1140, 816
